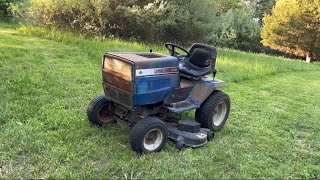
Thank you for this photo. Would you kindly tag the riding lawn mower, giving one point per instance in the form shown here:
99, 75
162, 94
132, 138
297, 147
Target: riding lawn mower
148, 91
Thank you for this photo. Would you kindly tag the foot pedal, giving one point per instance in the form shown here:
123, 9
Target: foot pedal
183, 106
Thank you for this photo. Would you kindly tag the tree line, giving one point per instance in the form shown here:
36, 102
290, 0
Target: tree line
250, 25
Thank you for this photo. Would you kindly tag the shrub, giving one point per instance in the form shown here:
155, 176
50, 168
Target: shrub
236, 29
148, 20
75, 15
5, 13
224, 23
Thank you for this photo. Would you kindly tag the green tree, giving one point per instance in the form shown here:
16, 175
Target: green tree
223, 6
294, 27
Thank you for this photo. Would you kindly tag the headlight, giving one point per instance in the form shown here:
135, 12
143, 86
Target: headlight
118, 68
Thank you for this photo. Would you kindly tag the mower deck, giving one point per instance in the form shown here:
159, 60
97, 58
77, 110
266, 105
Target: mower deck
187, 133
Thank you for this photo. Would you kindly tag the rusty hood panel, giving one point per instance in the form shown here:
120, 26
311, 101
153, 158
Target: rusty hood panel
147, 60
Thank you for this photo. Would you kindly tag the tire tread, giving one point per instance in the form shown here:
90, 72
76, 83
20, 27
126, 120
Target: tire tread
91, 111
204, 113
139, 130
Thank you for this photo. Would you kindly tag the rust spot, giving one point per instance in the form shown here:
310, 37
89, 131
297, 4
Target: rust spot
117, 82
104, 115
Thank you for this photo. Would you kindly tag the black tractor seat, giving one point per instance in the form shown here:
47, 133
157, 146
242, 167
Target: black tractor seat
201, 62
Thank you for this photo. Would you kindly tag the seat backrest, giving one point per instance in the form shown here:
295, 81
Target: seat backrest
202, 55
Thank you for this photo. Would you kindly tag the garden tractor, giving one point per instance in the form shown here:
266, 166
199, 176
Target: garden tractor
150, 91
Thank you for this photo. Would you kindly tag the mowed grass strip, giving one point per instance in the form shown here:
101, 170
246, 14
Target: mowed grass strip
48, 78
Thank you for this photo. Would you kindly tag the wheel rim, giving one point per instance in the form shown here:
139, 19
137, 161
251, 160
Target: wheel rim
153, 139
219, 114
103, 114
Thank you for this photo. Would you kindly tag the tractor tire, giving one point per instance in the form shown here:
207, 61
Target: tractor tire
214, 111
99, 112
148, 135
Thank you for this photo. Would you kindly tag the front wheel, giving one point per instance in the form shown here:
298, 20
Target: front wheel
148, 135
214, 112
99, 111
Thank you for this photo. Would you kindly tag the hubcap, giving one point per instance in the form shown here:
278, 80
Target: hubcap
219, 114
153, 139
104, 115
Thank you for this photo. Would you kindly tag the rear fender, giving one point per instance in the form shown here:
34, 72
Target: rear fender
203, 88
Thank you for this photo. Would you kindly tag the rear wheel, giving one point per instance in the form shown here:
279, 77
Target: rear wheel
214, 112
99, 111
148, 135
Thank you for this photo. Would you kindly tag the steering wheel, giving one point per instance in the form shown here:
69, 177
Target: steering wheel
172, 49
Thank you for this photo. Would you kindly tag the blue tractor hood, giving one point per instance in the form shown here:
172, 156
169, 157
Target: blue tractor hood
154, 76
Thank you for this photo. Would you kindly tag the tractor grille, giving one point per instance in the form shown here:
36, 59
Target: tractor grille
118, 96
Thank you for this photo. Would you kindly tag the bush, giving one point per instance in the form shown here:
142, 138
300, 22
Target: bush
75, 15
187, 21
148, 20
225, 23
236, 29
5, 13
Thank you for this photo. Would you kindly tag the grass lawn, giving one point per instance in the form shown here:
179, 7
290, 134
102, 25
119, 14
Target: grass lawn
47, 79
